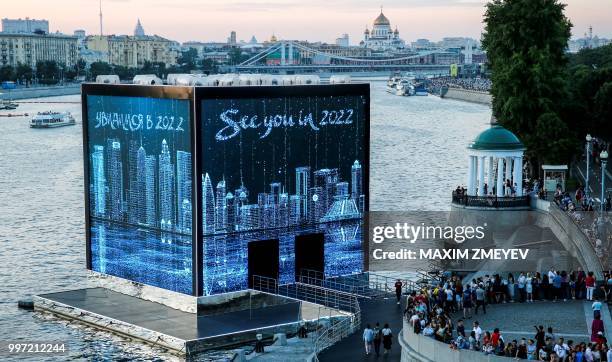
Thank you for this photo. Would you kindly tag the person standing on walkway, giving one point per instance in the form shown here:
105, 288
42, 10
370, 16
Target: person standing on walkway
387, 338
597, 327
590, 285
539, 337
398, 290
377, 339
467, 302
596, 306
368, 338
480, 299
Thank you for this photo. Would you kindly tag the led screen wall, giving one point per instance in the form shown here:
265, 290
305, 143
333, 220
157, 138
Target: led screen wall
278, 162
139, 162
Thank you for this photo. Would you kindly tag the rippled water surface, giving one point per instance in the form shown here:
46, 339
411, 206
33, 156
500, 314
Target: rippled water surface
418, 156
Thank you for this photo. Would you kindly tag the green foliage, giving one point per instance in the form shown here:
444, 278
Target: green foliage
48, 72
99, 68
209, 66
598, 57
7, 73
188, 59
236, 56
24, 73
525, 42
590, 83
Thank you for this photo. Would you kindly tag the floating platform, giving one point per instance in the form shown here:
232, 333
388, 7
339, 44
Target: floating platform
180, 332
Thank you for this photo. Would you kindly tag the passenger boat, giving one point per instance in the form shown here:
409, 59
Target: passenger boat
51, 119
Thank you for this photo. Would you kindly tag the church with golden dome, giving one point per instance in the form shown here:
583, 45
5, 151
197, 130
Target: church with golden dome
382, 37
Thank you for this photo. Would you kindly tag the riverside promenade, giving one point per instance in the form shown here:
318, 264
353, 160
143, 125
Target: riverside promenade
570, 320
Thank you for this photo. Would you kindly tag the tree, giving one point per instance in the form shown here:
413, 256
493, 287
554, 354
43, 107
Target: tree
7, 73
24, 73
99, 68
48, 72
236, 56
80, 67
525, 42
188, 60
209, 66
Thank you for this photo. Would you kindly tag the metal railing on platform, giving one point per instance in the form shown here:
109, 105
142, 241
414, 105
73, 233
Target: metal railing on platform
329, 329
490, 201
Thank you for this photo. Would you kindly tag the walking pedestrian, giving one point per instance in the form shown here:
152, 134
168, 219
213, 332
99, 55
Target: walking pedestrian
480, 299
377, 339
368, 338
590, 285
398, 290
387, 338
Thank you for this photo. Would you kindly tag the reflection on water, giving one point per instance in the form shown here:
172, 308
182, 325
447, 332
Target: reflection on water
418, 155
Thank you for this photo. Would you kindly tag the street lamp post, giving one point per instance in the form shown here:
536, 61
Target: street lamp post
603, 156
588, 159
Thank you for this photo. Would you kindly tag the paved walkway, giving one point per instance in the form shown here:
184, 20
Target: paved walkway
372, 311
571, 319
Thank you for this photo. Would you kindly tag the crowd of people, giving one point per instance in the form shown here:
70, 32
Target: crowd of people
476, 84
430, 310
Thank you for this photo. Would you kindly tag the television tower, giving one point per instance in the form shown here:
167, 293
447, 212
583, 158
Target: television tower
101, 33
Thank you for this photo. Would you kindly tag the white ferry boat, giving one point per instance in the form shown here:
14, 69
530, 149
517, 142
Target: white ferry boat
52, 119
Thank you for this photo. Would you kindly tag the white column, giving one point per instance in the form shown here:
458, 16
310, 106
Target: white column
515, 172
518, 176
491, 180
481, 178
508, 172
470, 178
499, 188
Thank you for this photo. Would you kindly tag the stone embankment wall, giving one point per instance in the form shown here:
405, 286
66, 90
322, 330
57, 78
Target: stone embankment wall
469, 96
37, 92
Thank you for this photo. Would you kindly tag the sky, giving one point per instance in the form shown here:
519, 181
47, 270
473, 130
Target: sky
313, 20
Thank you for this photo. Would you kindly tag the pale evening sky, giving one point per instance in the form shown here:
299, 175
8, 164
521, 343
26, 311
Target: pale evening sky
207, 20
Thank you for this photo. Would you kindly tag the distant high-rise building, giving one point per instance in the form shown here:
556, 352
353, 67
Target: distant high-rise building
166, 189
132, 192
151, 194
232, 38
141, 185
220, 207
342, 190
302, 185
316, 204
139, 30
116, 181
231, 212
356, 185
183, 188
208, 206
283, 210
326, 179
31, 48
27, 26
99, 181
343, 41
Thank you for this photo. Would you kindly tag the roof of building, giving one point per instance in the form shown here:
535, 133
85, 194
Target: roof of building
497, 138
381, 20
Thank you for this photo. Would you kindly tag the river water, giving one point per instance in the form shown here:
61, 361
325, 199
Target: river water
418, 156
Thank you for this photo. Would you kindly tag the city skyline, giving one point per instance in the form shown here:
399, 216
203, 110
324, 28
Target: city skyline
264, 18
151, 189
318, 196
